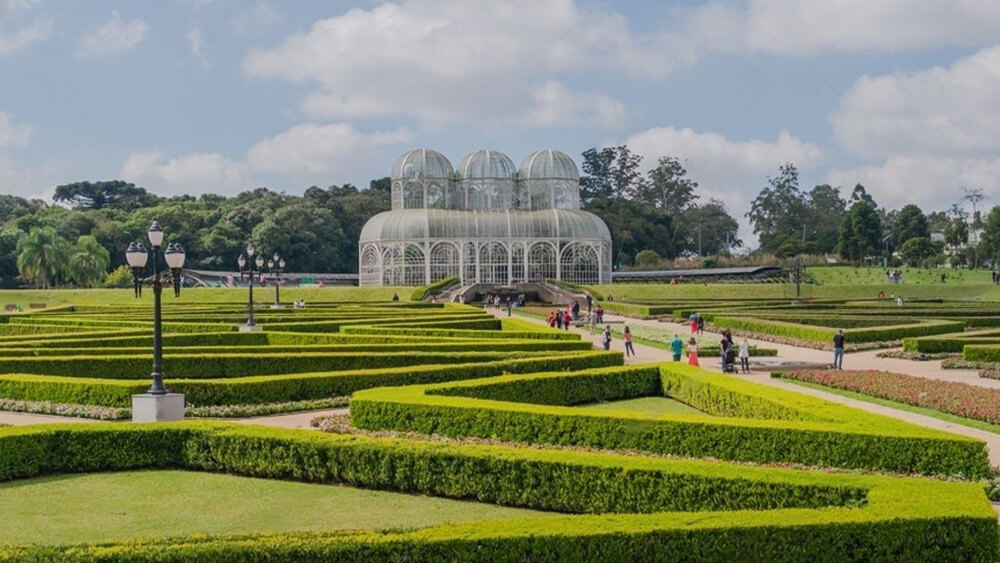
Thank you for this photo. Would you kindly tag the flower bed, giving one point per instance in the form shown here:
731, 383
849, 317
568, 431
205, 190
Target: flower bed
960, 399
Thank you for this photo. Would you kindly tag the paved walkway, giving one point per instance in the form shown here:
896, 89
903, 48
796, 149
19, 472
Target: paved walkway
23, 419
292, 420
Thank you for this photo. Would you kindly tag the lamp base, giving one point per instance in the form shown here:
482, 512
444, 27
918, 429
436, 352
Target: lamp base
277, 305
157, 408
251, 328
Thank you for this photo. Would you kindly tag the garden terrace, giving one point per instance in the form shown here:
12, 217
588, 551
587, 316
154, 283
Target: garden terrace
601, 506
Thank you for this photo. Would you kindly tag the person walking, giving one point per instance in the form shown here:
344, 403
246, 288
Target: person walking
694, 323
745, 356
701, 325
724, 347
567, 320
592, 320
606, 338
693, 351
599, 311
838, 350
627, 337
590, 303
677, 347
576, 311
559, 318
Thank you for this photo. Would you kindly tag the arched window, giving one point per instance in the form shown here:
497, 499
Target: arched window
469, 258
392, 266
435, 196
579, 263
517, 262
397, 195
413, 195
444, 261
493, 263
541, 195
414, 266
370, 273
541, 262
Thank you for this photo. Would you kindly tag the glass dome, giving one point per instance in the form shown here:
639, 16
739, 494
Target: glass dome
548, 164
422, 163
486, 181
486, 163
421, 224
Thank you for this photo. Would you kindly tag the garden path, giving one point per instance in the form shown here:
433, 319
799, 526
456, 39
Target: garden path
867, 359
23, 418
291, 420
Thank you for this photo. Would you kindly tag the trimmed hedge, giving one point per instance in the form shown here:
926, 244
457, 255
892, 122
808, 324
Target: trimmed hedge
457, 333
616, 508
786, 427
282, 388
435, 288
981, 353
199, 366
825, 335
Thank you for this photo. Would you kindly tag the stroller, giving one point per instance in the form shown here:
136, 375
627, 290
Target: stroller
729, 361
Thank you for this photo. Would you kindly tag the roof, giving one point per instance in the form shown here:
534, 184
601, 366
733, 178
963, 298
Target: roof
548, 164
420, 224
748, 271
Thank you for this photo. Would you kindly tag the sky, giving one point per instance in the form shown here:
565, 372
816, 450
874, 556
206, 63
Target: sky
221, 96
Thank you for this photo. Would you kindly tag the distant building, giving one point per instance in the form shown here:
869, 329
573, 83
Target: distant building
487, 222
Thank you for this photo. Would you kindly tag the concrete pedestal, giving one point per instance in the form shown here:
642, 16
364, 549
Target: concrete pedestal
249, 328
277, 305
157, 408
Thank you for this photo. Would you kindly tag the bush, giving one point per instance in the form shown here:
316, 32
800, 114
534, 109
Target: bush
774, 426
119, 277
616, 508
435, 288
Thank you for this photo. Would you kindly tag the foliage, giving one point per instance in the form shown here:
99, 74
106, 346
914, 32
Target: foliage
909, 223
88, 262
647, 258
98, 195
779, 209
917, 249
42, 256
989, 245
435, 288
609, 173
119, 277
860, 232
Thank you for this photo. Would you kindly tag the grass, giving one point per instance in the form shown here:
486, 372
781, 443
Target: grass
264, 296
947, 417
146, 504
645, 405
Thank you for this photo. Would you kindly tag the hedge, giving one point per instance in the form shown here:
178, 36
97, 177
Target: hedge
774, 425
435, 288
457, 333
817, 334
981, 353
615, 508
281, 388
198, 366
951, 343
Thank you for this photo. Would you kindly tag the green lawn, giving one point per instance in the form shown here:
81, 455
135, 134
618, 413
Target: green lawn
645, 405
115, 506
199, 295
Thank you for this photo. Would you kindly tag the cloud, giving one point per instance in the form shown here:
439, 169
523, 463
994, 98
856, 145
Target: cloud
310, 152
196, 172
312, 149
16, 35
114, 37
931, 181
261, 15
481, 61
950, 111
794, 27
13, 134
195, 43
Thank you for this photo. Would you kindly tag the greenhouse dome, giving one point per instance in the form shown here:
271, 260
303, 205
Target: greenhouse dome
486, 222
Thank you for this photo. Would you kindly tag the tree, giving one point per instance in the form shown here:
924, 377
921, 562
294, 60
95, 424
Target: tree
98, 195
647, 258
861, 194
990, 243
956, 233
668, 188
915, 250
636, 227
41, 256
709, 229
909, 223
609, 172
826, 211
88, 262
779, 209
860, 231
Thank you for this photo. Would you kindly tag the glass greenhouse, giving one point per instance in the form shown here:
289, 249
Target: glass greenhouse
486, 222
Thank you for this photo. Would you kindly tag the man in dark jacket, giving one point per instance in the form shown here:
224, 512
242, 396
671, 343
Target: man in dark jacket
838, 350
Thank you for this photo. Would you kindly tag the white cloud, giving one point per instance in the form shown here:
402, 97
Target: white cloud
931, 181
15, 34
115, 36
190, 173
309, 152
312, 149
261, 15
484, 61
951, 111
196, 42
802, 28
13, 134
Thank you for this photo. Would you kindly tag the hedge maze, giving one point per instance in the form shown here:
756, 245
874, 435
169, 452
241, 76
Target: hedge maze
448, 401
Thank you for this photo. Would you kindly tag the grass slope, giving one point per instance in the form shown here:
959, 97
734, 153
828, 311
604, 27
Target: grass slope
148, 504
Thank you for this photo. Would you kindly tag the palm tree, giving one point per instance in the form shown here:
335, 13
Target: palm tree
88, 261
41, 256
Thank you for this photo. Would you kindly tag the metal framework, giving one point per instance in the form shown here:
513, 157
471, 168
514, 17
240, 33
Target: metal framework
485, 222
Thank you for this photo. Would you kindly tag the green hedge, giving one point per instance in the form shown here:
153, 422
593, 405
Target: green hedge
615, 508
819, 433
435, 288
981, 353
455, 333
282, 388
825, 335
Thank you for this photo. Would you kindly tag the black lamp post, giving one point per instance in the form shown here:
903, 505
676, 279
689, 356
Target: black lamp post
250, 267
276, 265
136, 255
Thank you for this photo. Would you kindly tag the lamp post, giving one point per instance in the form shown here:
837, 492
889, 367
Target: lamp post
250, 267
157, 404
276, 265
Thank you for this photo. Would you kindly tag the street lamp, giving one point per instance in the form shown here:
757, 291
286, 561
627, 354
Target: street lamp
276, 265
156, 404
250, 267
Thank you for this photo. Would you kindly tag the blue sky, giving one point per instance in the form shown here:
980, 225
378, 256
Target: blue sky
194, 96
